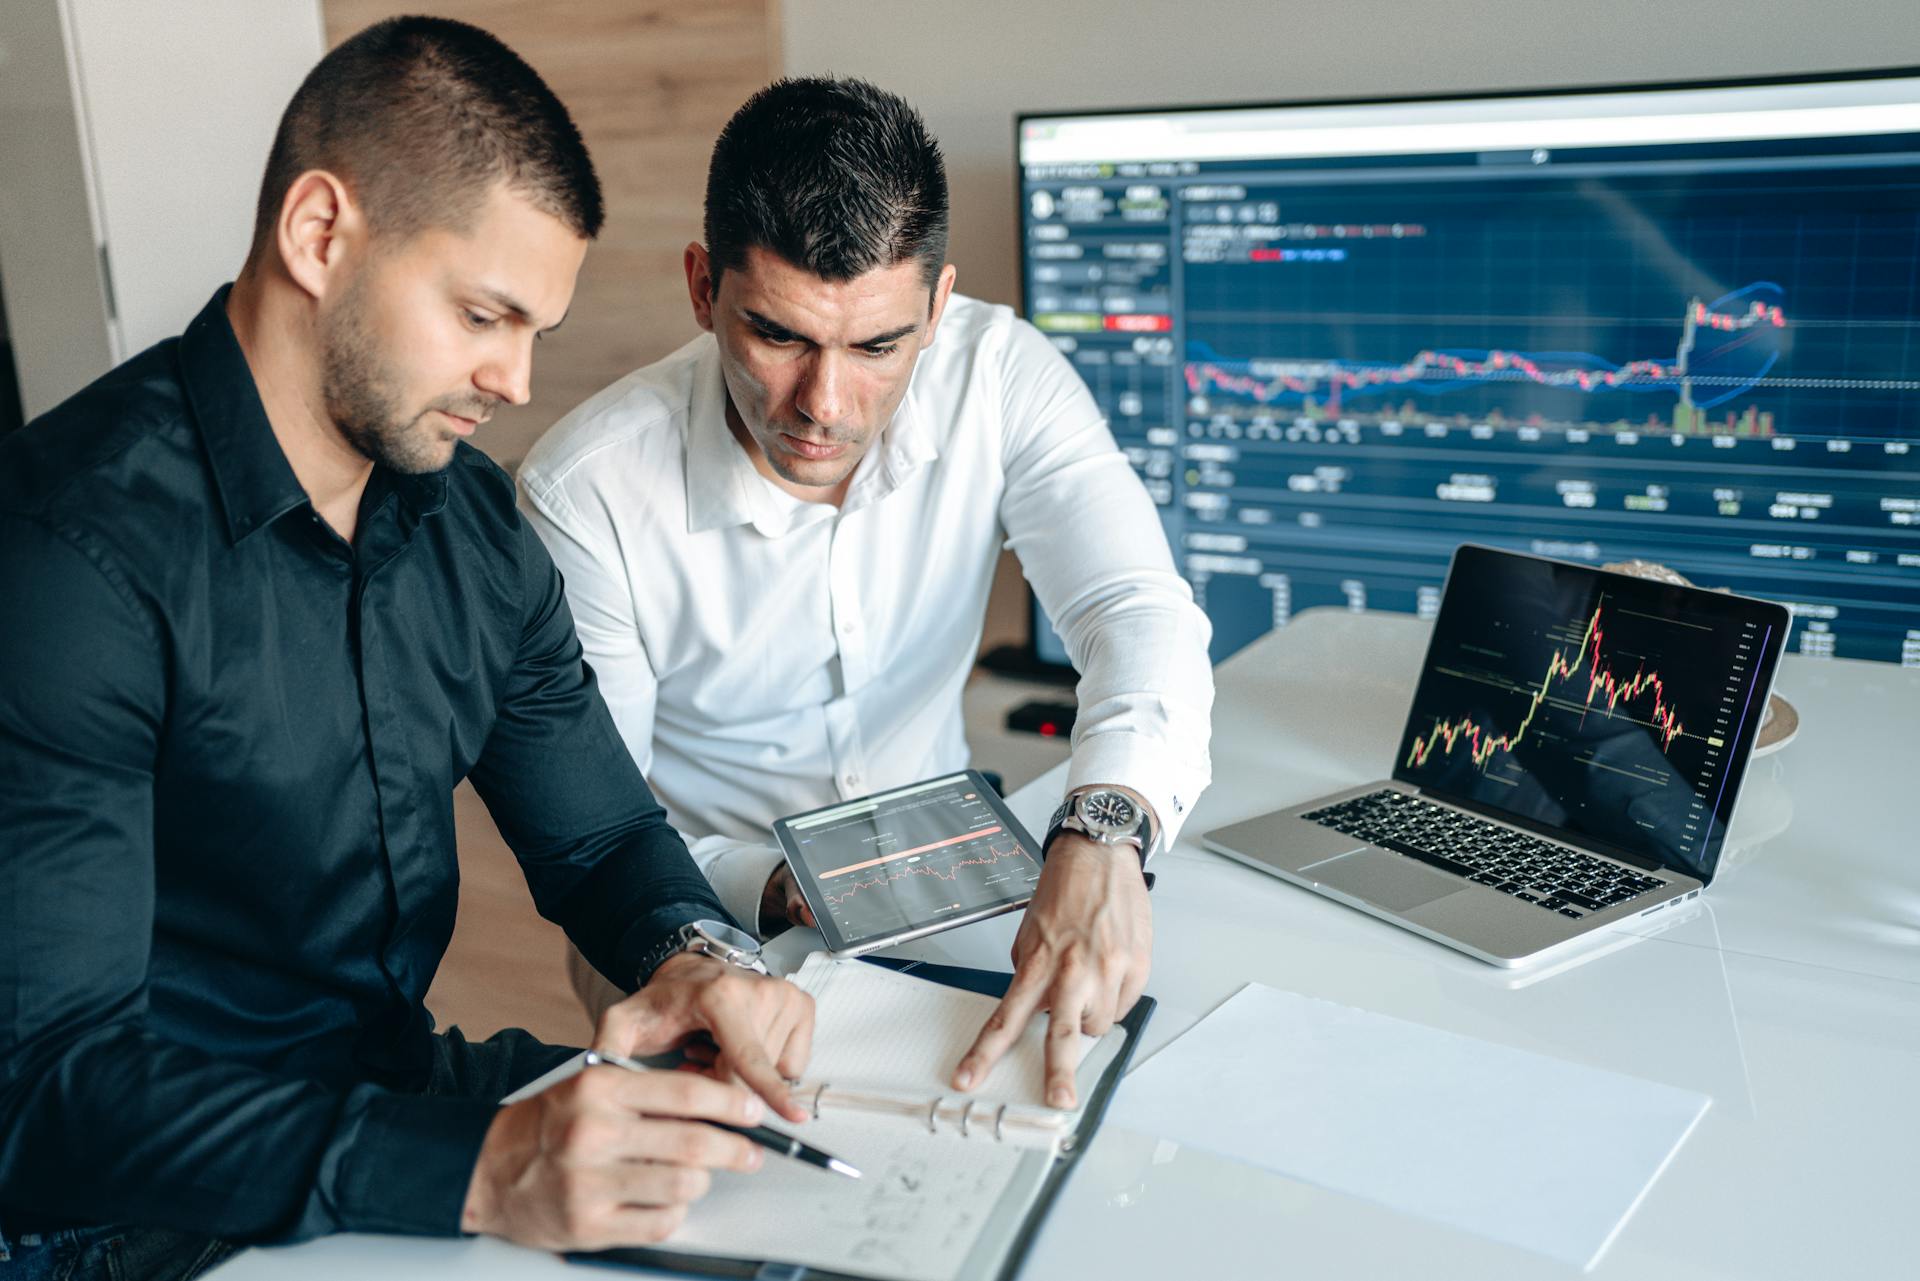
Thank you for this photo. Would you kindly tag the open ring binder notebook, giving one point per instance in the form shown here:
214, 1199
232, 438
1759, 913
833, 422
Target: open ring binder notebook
943, 1198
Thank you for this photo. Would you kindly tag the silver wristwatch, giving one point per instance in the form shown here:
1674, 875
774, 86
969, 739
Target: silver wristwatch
709, 938
1105, 815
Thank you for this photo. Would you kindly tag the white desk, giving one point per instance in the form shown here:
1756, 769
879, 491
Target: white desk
1792, 997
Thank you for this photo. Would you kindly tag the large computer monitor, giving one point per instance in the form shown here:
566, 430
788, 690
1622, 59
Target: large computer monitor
1676, 323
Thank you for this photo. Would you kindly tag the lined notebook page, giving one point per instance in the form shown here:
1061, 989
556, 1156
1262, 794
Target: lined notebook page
876, 1028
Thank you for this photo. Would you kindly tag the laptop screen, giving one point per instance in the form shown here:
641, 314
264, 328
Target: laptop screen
1613, 710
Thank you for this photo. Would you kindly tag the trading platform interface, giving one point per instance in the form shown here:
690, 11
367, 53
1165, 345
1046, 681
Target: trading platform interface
1680, 325
913, 856
1592, 703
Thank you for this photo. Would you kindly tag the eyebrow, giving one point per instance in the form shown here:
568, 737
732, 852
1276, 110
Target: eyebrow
774, 329
506, 303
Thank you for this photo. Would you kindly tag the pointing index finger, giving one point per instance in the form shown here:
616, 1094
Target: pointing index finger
1002, 1028
1063, 1045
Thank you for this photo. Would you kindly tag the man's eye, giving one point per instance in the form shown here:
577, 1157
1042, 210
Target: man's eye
778, 340
478, 321
886, 350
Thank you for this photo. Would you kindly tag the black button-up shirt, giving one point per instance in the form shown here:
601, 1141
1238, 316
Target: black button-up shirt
228, 744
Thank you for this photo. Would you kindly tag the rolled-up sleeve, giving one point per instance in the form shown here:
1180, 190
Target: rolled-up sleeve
1091, 544
101, 1118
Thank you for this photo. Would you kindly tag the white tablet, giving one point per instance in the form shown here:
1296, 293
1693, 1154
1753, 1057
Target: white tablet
909, 862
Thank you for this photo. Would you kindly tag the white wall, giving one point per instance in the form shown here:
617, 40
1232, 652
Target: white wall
143, 128
182, 102
49, 259
970, 64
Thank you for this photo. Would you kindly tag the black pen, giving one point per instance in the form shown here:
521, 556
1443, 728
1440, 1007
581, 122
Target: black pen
770, 1139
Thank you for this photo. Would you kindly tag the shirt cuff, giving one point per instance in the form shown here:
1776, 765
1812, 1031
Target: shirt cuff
739, 877
407, 1163
649, 932
1125, 760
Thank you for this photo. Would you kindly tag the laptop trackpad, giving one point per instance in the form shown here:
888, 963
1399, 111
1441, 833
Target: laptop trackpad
1385, 879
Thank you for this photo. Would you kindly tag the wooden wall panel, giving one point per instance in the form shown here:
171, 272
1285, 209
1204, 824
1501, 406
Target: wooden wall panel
650, 82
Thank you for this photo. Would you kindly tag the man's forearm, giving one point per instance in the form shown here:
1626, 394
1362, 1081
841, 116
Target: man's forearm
124, 1126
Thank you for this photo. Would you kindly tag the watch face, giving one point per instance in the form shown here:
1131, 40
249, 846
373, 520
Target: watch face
1110, 813
726, 936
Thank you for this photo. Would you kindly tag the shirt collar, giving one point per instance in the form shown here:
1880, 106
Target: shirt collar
906, 445
721, 481
256, 483
724, 489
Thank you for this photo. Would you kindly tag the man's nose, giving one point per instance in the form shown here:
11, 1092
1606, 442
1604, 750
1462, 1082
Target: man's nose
509, 375
824, 394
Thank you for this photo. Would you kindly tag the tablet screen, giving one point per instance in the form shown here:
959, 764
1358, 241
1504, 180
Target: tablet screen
909, 861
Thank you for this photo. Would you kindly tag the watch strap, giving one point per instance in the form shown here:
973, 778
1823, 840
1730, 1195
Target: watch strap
689, 938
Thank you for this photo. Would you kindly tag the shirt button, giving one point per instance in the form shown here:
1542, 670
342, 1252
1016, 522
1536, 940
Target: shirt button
853, 780
849, 627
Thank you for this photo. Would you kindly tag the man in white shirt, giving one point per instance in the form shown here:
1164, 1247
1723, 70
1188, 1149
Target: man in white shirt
778, 542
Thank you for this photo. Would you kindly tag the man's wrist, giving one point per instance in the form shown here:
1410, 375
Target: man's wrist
1116, 853
773, 906
478, 1211
664, 948
1065, 819
683, 961
1123, 856
717, 940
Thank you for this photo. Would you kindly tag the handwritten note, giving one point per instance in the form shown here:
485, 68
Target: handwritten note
915, 1215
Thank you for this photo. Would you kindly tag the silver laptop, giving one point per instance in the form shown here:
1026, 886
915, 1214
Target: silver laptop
1571, 761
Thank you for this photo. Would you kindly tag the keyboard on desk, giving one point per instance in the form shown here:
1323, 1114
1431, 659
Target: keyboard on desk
1554, 877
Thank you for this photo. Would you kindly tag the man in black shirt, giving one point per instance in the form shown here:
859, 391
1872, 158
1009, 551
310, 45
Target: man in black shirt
265, 610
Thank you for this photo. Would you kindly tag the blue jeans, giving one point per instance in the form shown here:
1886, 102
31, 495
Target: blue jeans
111, 1254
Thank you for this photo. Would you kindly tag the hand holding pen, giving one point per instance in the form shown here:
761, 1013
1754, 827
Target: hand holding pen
593, 1160
765, 1136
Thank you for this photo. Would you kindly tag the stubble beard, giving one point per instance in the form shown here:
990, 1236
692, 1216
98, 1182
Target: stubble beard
360, 397
783, 464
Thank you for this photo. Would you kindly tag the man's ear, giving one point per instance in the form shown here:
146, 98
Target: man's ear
942, 290
701, 285
320, 228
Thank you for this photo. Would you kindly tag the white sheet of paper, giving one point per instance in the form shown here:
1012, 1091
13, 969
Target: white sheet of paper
1534, 1151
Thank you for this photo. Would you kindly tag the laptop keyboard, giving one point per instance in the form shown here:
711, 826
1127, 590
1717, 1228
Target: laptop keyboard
1534, 871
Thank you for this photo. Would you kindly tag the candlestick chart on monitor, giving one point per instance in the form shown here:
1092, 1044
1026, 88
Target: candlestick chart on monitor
1607, 711
1583, 678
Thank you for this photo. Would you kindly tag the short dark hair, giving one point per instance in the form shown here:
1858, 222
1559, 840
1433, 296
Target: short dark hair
419, 117
834, 175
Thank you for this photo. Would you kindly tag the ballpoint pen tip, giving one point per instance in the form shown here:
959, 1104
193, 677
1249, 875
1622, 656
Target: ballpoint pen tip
841, 1167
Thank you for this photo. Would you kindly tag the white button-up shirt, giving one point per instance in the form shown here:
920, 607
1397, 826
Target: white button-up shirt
764, 655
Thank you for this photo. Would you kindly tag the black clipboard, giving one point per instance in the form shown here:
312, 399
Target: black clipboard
988, 983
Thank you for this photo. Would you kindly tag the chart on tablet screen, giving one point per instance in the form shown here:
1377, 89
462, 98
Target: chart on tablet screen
920, 853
